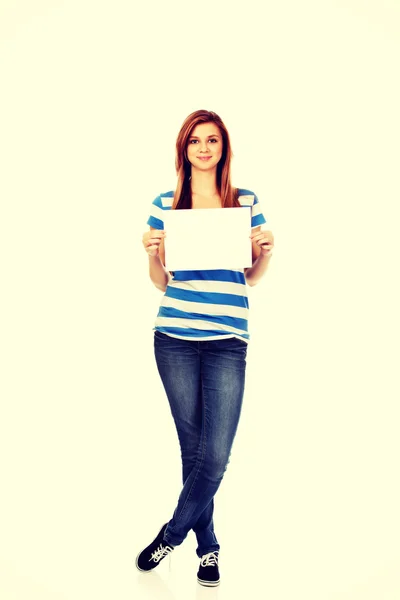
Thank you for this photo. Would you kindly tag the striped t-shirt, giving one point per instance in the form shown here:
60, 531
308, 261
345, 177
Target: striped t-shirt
209, 304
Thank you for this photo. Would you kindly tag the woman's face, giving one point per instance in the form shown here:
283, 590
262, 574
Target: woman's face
204, 149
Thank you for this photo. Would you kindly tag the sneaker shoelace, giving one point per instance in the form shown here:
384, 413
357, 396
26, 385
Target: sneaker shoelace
210, 559
160, 553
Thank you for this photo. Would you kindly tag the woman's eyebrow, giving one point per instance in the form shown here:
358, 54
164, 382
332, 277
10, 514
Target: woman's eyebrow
194, 137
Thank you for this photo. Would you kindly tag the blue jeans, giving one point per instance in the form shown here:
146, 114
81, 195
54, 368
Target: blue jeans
204, 383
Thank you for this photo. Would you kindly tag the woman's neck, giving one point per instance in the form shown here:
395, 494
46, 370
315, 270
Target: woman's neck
204, 183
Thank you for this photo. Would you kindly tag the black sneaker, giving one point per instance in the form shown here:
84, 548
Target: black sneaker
208, 573
149, 558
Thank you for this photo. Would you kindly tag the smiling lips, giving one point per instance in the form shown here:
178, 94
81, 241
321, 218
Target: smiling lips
204, 157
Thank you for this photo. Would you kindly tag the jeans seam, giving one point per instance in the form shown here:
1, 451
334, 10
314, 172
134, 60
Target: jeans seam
203, 453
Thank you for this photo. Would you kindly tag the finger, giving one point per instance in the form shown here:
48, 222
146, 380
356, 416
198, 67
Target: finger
260, 236
262, 242
153, 243
157, 236
156, 233
266, 247
270, 246
152, 249
257, 234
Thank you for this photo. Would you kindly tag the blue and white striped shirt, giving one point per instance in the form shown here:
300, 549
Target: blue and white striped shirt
210, 304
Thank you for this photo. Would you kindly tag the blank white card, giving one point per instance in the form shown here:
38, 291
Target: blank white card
208, 238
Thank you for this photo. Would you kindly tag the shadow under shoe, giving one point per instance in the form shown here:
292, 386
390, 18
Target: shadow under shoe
151, 556
208, 573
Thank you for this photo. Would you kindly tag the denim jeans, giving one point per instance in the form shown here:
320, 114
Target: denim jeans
204, 383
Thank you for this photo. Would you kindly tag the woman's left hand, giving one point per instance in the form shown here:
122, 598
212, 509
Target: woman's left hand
265, 240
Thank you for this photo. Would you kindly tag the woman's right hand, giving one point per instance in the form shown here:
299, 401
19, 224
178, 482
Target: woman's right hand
151, 241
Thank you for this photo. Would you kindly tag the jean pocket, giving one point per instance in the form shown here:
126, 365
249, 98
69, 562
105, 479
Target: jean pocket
233, 344
162, 338
238, 342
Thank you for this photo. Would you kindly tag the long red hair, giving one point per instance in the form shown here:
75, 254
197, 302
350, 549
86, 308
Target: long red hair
183, 193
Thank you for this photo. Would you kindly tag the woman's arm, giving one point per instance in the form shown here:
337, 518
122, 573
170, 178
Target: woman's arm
153, 242
262, 246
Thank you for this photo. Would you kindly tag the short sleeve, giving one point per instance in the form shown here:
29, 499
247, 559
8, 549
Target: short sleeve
155, 219
248, 198
257, 217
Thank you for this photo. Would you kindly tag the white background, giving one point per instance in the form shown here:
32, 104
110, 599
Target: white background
92, 97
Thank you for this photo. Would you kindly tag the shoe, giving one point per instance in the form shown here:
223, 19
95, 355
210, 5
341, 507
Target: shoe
208, 573
151, 556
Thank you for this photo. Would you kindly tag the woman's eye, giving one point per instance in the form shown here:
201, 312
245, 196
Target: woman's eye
213, 140
193, 142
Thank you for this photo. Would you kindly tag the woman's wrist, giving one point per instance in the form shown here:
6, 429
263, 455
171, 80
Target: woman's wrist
265, 257
154, 258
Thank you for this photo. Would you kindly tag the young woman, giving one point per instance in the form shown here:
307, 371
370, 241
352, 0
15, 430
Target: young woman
201, 338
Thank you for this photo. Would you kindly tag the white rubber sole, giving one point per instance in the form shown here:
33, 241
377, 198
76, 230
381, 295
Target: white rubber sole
137, 566
208, 583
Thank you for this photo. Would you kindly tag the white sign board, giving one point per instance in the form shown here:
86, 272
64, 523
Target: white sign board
207, 238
